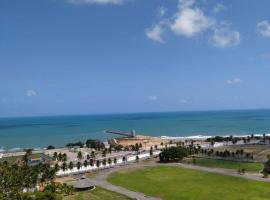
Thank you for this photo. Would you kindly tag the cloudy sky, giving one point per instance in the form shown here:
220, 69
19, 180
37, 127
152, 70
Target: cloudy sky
112, 56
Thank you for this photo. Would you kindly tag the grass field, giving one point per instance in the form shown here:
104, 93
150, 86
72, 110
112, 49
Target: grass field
13, 159
96, 194
177, 183
208, 162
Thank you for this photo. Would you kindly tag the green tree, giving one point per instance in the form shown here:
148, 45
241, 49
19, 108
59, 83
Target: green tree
104, 153
98, 163
115, 160
109, 161
137, 158
124, 159
92, 154
64, 166
79, 155
59, 156
79, 165
266, 168
151, 151
104, 162
50, 147
85, 163
55, 156
64, 157
56, 167
173, 154
91, 162
70, 165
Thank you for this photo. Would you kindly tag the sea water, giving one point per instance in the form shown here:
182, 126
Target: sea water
39, 132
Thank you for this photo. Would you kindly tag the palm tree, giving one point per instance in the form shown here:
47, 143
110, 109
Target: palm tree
137, 158
70, 165
55, 156
104, 152
151, 151
124, 159
56, 167
110, 150
85, 163
91, 162
109, 161
104, 162
64, 157
79, 156
98, 163
79, 165
64, 166
92, 154
25, 159
60, 156
161, 144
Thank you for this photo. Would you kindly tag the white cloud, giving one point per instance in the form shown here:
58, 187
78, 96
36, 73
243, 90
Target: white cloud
155, 33
224, 36
184, 100
152, 98
101, 2
263, 28
234, 81
190, 20
219, 8
162, 11
31, 93
186, 3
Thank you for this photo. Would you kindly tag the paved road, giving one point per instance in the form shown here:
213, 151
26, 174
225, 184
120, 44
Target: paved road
101, 178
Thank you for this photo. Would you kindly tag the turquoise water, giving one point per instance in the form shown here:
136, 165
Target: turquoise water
41, 131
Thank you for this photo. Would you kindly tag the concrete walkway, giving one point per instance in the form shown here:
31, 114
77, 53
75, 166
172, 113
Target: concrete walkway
101, 178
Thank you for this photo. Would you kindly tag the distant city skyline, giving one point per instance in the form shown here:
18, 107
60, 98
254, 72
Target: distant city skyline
69, 57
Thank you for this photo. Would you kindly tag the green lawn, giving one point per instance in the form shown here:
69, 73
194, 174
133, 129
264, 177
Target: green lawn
185, 184
13, 159
207, 162
96, 194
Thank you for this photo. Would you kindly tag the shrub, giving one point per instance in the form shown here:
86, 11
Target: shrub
173, 154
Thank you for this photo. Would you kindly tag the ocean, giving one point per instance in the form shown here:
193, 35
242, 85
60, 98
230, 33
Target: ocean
39, 132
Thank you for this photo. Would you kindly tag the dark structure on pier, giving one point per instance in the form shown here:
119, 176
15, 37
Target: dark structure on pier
127, 134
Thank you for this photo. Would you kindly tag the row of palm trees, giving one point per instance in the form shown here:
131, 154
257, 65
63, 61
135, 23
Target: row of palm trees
239, 154
60, 157
65, 166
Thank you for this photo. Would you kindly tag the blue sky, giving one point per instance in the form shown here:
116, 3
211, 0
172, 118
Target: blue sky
62, 57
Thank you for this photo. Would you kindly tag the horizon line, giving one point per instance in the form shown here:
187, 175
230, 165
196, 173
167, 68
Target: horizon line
139, 112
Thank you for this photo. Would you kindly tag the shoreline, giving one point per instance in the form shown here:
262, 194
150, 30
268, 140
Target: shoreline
163, 137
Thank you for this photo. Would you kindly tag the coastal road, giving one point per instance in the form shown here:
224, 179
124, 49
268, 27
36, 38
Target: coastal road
101, 178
